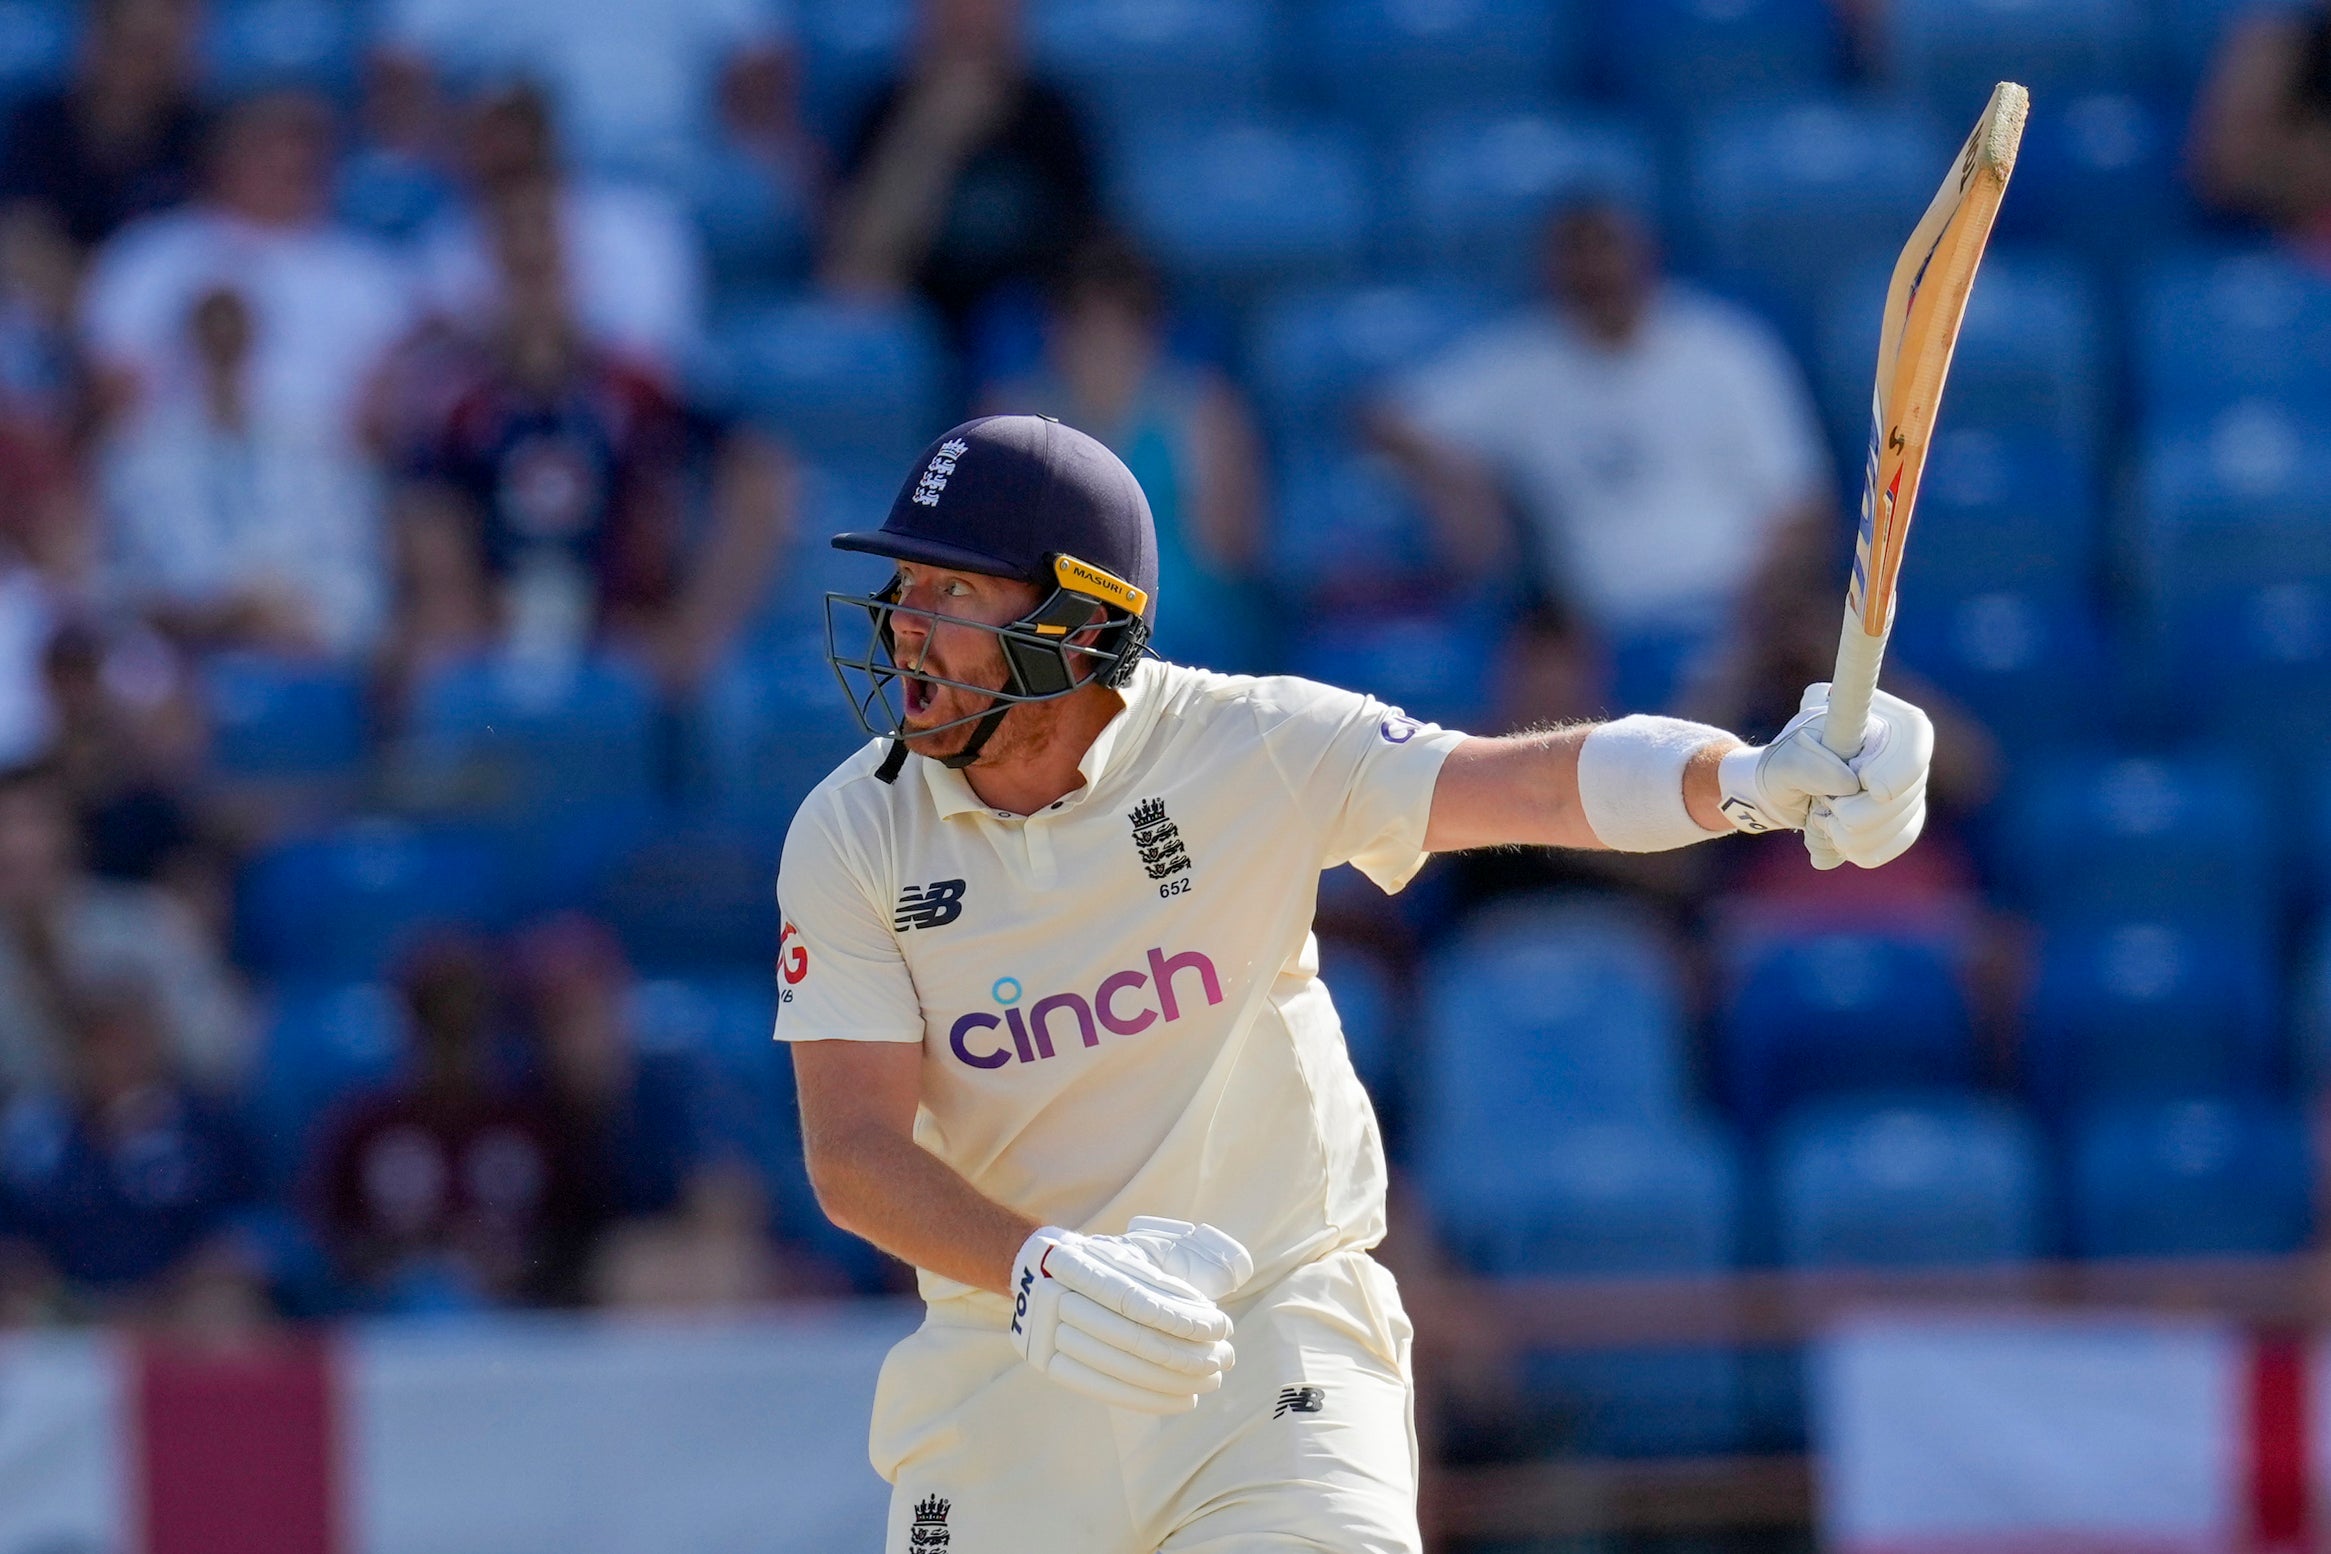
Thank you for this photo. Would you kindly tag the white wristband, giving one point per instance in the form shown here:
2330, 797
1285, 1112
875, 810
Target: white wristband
1630, 782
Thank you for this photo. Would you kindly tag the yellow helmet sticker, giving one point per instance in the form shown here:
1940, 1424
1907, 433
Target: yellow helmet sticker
1080, 577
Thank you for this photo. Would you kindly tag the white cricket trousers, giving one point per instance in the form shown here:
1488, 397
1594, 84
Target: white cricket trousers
1310, 1444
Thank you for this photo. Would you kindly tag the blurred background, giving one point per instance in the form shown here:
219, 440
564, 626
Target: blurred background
420, 422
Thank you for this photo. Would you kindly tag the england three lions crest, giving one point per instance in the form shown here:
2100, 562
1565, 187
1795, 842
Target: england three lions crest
929, 1532
1158, 840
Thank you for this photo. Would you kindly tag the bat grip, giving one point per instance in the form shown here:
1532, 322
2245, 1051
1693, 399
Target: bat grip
1858, 657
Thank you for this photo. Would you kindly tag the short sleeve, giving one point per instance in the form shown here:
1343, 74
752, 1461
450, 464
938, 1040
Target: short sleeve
1367, 769
839, 973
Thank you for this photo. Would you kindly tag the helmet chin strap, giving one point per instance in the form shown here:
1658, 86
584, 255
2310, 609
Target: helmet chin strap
981, 733
894, 761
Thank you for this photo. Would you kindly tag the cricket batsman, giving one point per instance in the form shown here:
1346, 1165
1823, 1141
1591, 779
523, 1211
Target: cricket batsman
1060, 1039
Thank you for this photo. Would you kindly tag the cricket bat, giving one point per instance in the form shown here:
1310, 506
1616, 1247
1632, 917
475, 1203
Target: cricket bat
1924, 304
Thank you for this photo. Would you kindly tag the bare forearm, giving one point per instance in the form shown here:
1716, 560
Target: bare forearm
892, 1192
1523, 790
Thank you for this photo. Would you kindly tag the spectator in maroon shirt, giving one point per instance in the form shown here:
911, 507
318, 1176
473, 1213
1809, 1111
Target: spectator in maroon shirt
579, 471
450, 1188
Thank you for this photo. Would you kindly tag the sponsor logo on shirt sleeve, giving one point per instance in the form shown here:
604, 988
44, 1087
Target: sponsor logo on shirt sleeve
1398, 728
792, 961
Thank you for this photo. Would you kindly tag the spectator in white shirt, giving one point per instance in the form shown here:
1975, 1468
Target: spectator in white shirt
325, 305
229, 523
1658, 445
632, 79
634, 274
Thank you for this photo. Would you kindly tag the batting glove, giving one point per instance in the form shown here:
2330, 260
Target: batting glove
1865, 810
1209, 1260
1099, 1315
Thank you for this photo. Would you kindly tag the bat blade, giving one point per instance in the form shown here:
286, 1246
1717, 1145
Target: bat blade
1925, 303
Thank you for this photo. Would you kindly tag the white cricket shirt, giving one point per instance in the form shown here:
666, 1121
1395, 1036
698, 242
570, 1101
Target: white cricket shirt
1118, 997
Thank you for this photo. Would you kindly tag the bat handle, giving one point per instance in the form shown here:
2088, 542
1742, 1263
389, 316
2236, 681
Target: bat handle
1858, 657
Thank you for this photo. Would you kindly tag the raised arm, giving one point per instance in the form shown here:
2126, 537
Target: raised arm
1648, 784
1522, 789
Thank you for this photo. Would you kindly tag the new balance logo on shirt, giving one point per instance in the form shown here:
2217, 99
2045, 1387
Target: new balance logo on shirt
1300, 1400
929, 906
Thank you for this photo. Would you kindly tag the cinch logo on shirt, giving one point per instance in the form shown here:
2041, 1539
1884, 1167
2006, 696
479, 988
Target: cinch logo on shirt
1118, 1006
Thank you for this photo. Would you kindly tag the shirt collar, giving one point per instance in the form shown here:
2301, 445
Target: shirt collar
1119, 738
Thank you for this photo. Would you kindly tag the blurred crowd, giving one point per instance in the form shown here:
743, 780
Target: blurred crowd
414, 456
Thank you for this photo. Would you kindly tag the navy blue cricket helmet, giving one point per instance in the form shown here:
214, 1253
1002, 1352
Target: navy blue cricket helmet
1022, 497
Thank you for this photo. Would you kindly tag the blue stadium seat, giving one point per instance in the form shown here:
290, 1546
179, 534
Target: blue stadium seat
1605, 1198
792, 619
1142, 61
37, 39
1434, 664
2100, 173
693, 896
2242, 500
388, 197
1543, 1015
346, 903
1240, 203
2005, 509
849, 48
1789, 198
1376, 1025
1903, 1181
521, 739
2251, 667
2310, 989
775, 726
1678, 58
1952, 52
2102, 839
256, 44
850, 380
565, 766
283, 718
324, 1042
2214, 328
1827, 1013
2149, 1009
1346, 525
1601, 1196
1384, 61
758, 232
2183, 1178
2031, 662
1318, 354
1478, 186
2030, 357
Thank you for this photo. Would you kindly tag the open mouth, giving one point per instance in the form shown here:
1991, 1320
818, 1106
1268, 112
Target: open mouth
919, 695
